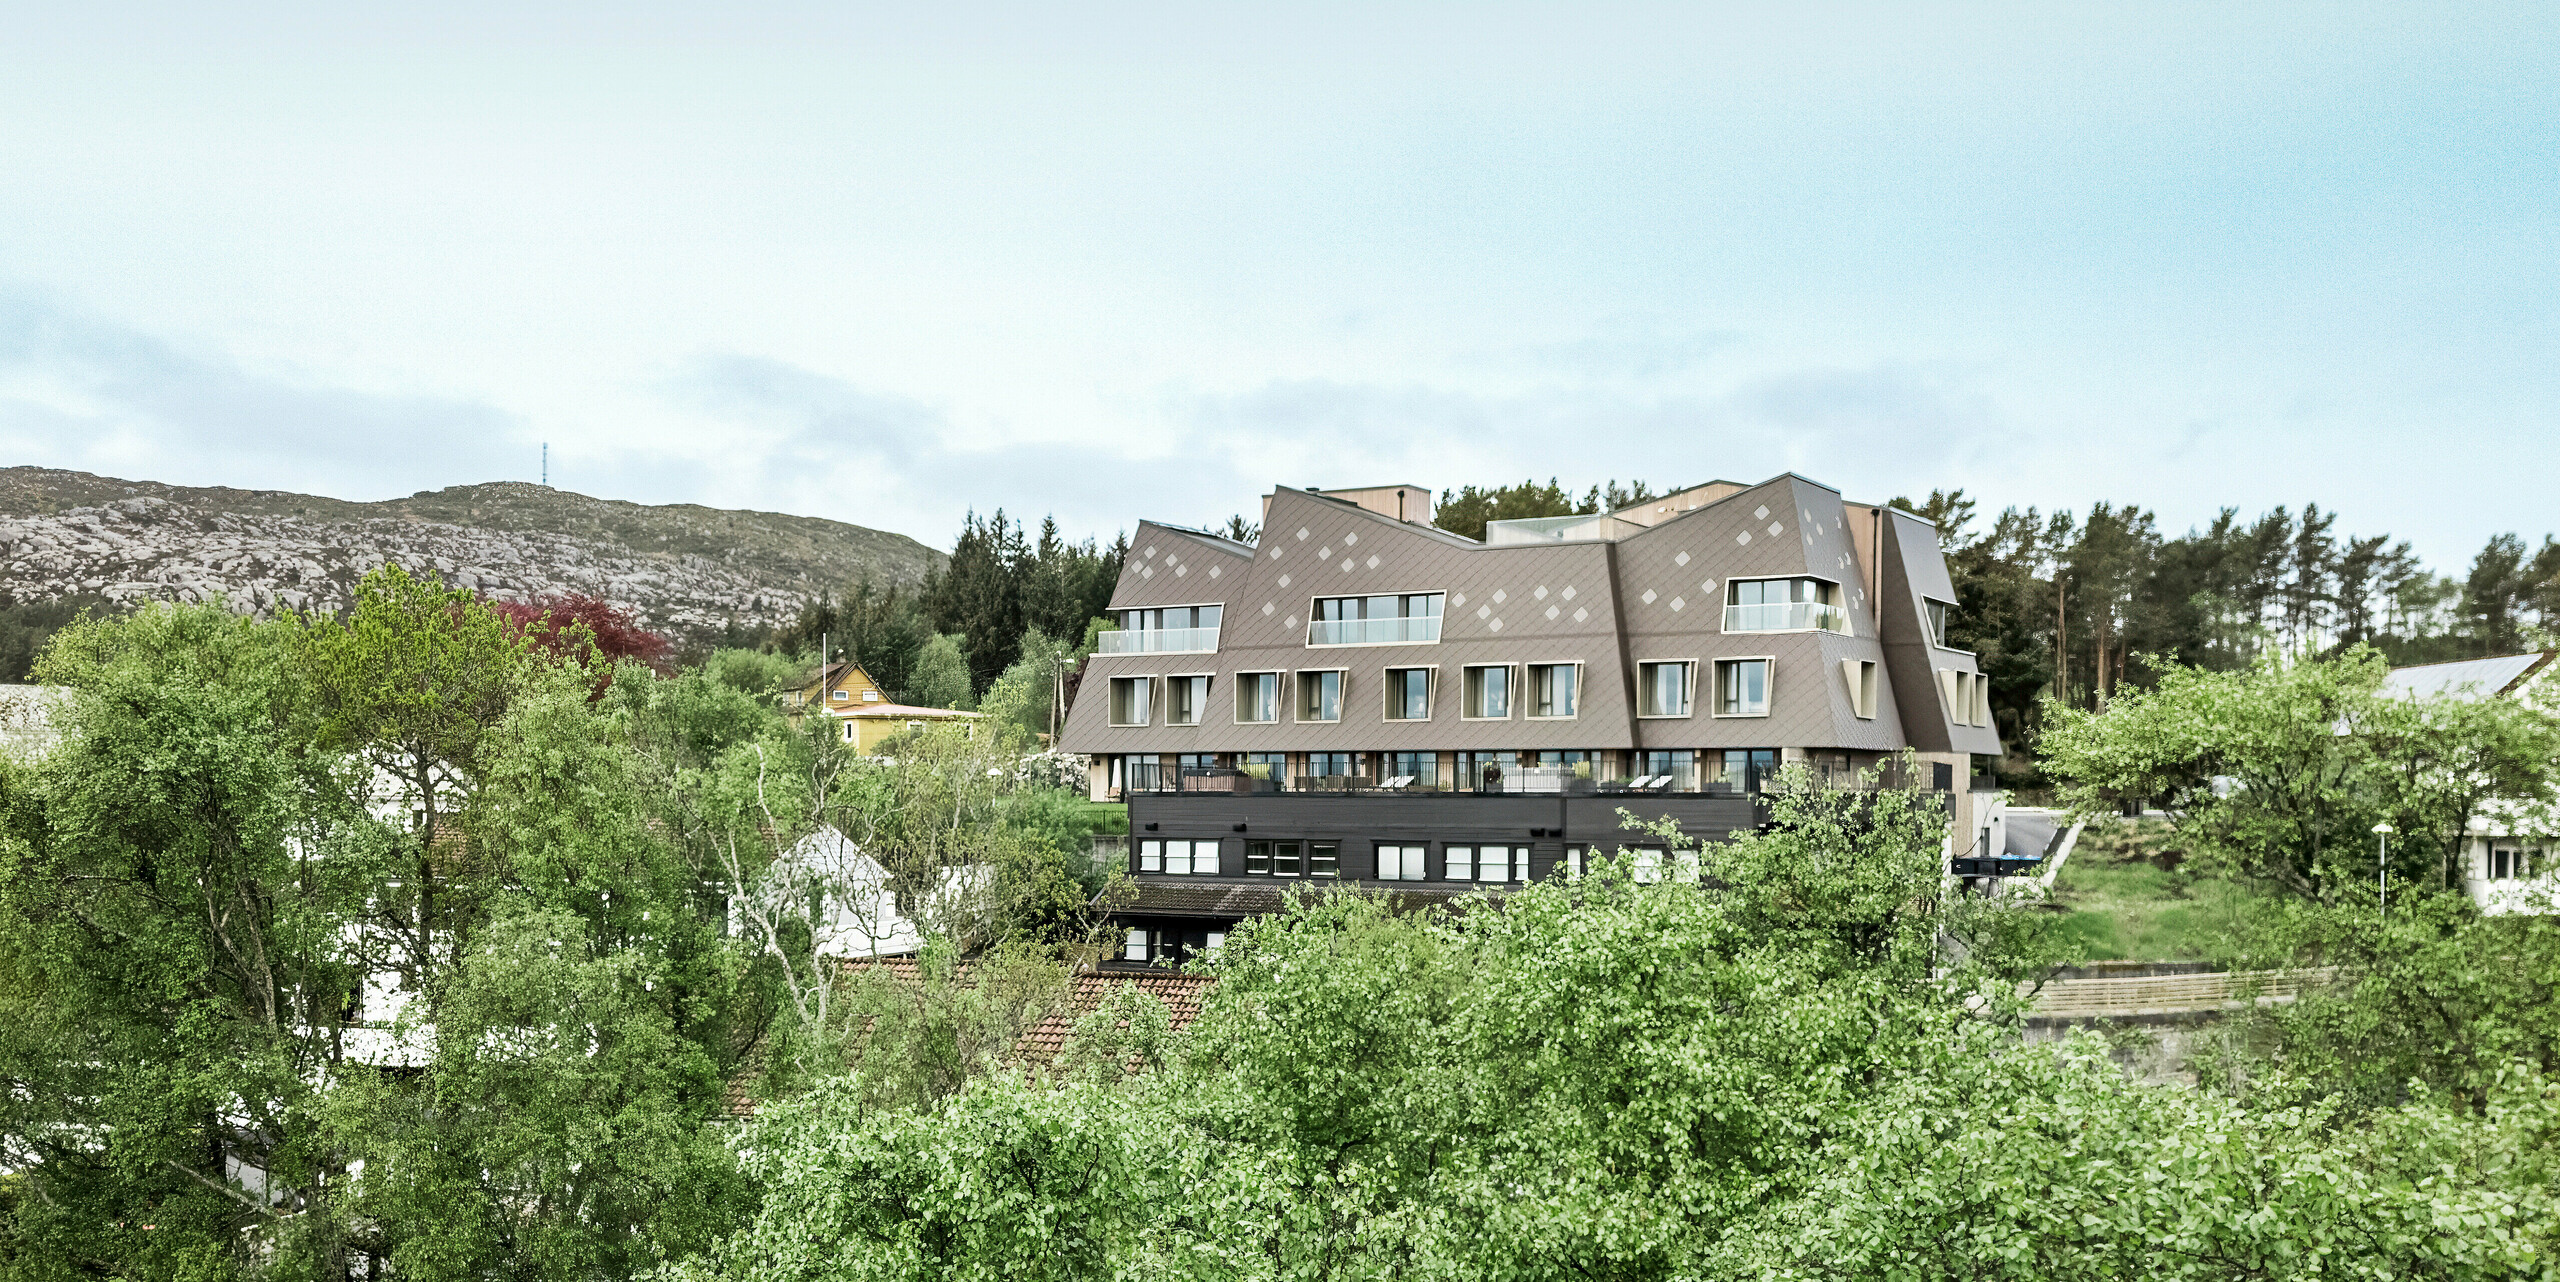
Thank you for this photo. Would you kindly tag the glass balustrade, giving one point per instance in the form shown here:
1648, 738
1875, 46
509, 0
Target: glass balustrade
1786, 616
1419, 628
1160, 641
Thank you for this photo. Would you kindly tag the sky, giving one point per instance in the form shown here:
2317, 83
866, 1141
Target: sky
890, 264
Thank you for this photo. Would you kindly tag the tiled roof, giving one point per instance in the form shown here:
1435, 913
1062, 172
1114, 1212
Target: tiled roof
1206, 898
1038, 1046
1181, 994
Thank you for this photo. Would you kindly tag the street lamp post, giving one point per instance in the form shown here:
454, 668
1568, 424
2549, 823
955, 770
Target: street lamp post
2381, 864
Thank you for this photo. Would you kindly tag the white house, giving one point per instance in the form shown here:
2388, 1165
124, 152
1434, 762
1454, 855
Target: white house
2509, 858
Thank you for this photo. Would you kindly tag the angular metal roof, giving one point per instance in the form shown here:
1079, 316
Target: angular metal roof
2467, 678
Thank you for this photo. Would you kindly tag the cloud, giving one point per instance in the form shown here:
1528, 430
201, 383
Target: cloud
80, 392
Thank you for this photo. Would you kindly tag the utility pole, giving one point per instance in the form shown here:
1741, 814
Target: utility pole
546, 465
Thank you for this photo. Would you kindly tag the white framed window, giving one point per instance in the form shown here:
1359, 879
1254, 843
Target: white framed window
1136, 948
1573, 857
1408, 693
1151, 856
1285, 858
1185, 698
1324, 859
1257, 698
1555, 691
1666, 687
871, 696
1320, 694
1934, 614
1742, 686
1487, 693
839, 696
1799, 604
1487, 863
1400, 863
1410, 618
1132, 700
1859, 676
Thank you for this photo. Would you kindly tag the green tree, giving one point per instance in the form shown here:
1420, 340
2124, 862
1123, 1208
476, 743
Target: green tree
941, 676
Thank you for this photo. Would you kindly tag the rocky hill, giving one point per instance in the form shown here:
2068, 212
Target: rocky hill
689, 571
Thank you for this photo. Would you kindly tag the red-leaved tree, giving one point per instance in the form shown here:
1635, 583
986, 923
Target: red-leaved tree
564, 623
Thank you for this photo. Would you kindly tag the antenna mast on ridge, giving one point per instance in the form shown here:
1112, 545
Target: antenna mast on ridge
546, 464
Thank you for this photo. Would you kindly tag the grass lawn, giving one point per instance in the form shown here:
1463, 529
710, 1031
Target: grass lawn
2132, 899
1107, 816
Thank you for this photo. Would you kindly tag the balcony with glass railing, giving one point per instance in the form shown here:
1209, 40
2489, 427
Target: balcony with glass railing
1160, 641
1412, 630
1786, 616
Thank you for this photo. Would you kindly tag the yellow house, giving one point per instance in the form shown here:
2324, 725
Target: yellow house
838, 687
863, 713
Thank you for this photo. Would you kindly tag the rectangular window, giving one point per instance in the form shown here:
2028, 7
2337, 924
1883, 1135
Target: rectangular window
1552, 687
1742, 687
1937, 617
1573, 857
1488, 863
1669, 770
1136, 948
1184, 699
1488, 693
1131, 698
1967, 696
1177, 858
1324, 859
841, 696
1376, 620
1330, 765
1400, 863
1421, 768
1859, 678
1663, 688
1257, 697
1273, 766
1151, 856
1471, 771
1170, 629
1740, 770
1320, 696
1276, 858
1408, 694
1204, 859
1783, 605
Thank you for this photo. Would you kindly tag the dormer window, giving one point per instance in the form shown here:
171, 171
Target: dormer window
1937, 619
1784, 605
1376, 620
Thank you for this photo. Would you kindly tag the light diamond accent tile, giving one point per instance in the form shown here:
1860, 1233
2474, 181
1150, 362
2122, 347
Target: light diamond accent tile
1499, 596
1373, 563
1541, 593
1179, 570
1776, 529
1284, 580
1266, 609
1215, 571
1347, 563
1151, 552
1458, 602
1743, 538
1567, 594
1302, 534
1147, 572
1760, 514
1552, 612
1707, 586
1648, 596
1275, 554
1682, 559
1324, 553
1495, 626
1349, 539
1484, 611
1291, 622
1580, 615
1678, 604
